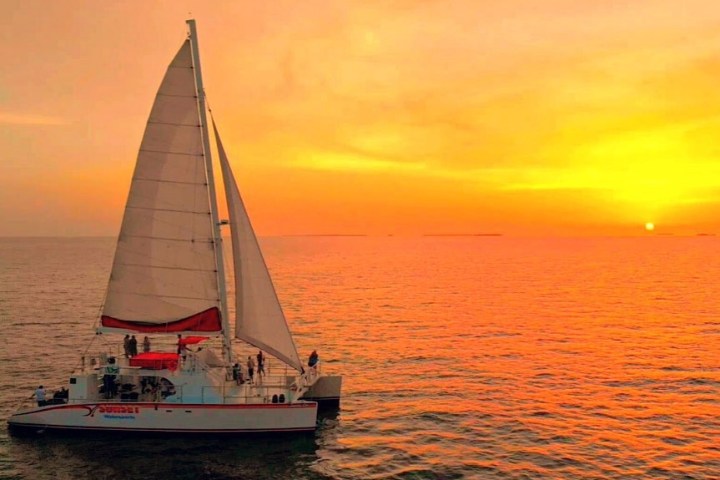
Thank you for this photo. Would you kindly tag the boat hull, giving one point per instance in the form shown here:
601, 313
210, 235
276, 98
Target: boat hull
163, 417
326, 391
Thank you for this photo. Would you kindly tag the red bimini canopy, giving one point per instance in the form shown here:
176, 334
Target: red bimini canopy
192, 340
155, 360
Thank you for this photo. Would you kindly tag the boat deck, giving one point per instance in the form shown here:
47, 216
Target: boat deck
191, 382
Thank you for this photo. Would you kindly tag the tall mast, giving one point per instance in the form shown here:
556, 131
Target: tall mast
227, 350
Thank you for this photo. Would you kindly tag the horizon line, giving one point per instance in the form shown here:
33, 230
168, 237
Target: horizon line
413, 235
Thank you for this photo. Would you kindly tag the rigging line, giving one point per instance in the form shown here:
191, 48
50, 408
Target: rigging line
151, 122
154, 295
166, 210
177, 182
172, 153
185, 269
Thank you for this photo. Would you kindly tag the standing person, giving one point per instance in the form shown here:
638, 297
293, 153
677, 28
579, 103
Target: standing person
111, 372
314, 358
260, 364
236, 373
180, 344
133, 346
251, 368
126, 345
40, 396
146, 345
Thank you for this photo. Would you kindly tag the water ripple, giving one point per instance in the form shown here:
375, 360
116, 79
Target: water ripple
462, 358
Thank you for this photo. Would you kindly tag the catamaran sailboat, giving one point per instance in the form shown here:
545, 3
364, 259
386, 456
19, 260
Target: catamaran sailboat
168, 282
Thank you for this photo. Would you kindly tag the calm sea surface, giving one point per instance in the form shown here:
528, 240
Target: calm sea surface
462, 357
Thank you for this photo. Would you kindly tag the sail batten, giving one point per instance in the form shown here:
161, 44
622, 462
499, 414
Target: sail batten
165, 271
175, 95
166, 267
189, 240
165, 152
160, 180
174, 124
164, 296
168, 210
259, 319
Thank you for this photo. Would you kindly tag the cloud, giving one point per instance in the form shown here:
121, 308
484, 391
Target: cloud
8, 118
344, 161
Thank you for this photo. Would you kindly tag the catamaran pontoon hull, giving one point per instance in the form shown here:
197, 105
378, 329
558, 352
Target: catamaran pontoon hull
164, 417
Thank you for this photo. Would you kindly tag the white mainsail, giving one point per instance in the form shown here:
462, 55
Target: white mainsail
259, 319
164, 269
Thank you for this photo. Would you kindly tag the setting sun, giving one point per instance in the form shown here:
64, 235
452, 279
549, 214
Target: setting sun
649, 226
372, 119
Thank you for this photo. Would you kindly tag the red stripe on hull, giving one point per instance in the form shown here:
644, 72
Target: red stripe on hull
206, 321
167, 406
163, 430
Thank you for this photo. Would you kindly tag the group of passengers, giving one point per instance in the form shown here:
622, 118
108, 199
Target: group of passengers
60, 396
130, 345
238, 373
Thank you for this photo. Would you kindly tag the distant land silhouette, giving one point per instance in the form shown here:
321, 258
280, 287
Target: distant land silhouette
326, 235
463, 235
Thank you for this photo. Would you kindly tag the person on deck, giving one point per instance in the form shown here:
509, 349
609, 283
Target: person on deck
111, 372
40, 396
251, 368
314, 358
146, 345
60, 396
126, 345
260, 364
132, 344
237, 374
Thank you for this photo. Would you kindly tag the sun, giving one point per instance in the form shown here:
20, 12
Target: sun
649, 226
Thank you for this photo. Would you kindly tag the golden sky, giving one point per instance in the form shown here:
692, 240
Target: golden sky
526, 117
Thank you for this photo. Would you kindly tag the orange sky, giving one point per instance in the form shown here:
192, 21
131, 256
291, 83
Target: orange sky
560, 117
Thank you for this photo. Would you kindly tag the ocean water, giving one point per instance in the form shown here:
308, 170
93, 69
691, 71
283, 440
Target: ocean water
462, 357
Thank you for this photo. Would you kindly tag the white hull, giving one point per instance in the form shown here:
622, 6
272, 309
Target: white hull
167, 417
325, 390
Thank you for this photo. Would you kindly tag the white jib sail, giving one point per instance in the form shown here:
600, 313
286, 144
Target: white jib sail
259, 319
164, 267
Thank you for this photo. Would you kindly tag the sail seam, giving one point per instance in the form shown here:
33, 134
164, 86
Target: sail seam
189, 240
160, 94
172, 153
169, 181
164, 296
167, 210
195, 125
166, 268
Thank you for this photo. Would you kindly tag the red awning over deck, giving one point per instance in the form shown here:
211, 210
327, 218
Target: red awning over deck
192, 340
155, 360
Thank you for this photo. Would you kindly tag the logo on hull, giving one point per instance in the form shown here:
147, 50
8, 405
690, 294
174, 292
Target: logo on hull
118, 409
111, 409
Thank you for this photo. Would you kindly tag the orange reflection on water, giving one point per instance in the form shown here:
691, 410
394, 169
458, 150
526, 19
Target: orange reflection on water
552, 358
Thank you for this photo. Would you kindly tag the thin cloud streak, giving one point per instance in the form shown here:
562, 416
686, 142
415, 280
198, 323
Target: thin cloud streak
8, 118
